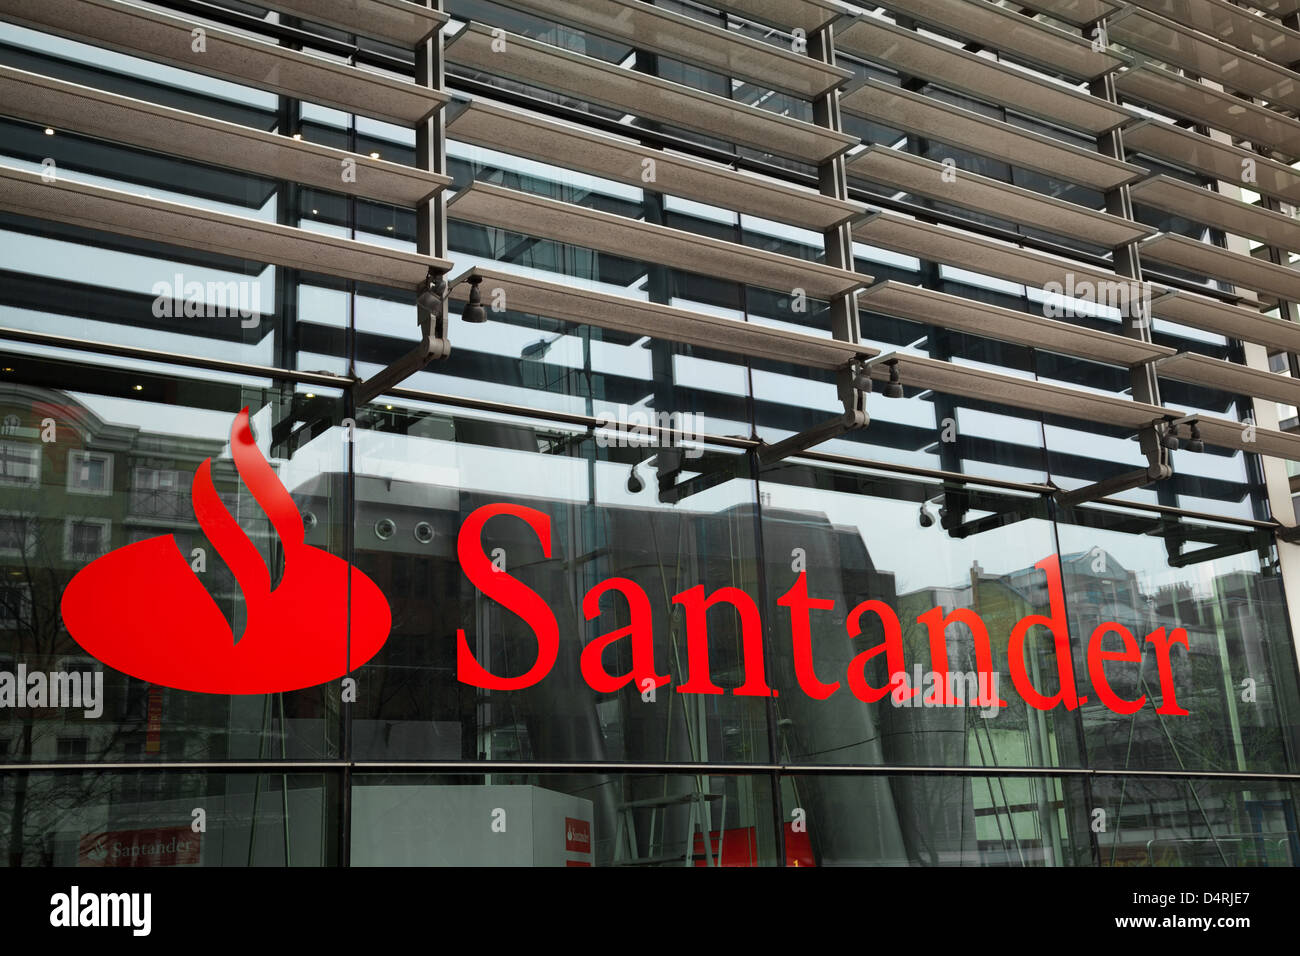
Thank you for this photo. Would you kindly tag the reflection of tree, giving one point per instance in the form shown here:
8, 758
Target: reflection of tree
35, 633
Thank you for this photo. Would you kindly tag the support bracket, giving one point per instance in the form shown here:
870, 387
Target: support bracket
431, 301
670, 462
1165, 439
1288, 533
854, 381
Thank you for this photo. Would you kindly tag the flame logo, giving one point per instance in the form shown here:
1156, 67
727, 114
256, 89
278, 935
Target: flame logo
142, 609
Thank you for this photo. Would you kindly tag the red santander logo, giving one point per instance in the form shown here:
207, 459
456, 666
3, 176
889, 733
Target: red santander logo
144, 611
577, 835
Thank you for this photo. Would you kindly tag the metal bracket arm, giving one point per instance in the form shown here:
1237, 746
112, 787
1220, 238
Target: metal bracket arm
433, 345
854, 385
1158, 466
1289, 533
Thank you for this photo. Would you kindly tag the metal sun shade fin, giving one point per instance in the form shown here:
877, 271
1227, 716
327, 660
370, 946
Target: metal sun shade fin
980, 385
1277, 8
574, 303
1018, 36
227, 55
1180, 45
191, 227
531, 215
610, 157
80, 109
1216, 109
965, 251
1078, 12
920, 115
1231, 24
807, 15
1230, 377
1234, 322
1190, 150
1247, 272
959, 248
961, 71
924, 177
399, 22
595, 81
1215, 209
1007, 325
687, 39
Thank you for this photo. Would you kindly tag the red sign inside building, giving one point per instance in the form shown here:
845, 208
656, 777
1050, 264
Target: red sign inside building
160, 846
577, 835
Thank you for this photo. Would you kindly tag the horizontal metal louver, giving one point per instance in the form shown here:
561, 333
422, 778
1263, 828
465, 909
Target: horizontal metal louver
1235, 322
1078, 12
975, 254
596, 81
573, 303
1215, 262
1215, 209
807, 15
230, 56
915, 54
1014, 34
923, 177
1180, 45
80, 109
531, 215
684, 38
923, 116
1181, 97
1231, 24
1210, 157
957, 247
1007, 325
1065, 402
1230, 377
399, 22
574, 147
192, 227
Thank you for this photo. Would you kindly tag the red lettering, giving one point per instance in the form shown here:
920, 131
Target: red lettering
1061, 637
801, 605
892, 646
641, 631
1161, 643
697, 641
1097, 658
511, 593
938, 624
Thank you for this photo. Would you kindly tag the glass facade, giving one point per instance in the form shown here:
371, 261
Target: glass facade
788, 592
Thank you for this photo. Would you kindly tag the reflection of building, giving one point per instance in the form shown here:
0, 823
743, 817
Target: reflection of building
673, 197
75, 487
1225, 648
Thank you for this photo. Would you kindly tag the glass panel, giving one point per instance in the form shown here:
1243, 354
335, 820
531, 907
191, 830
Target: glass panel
1230, 663
167, 819
570, 515
881, 553
1019, 821
521, 819
162, 574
